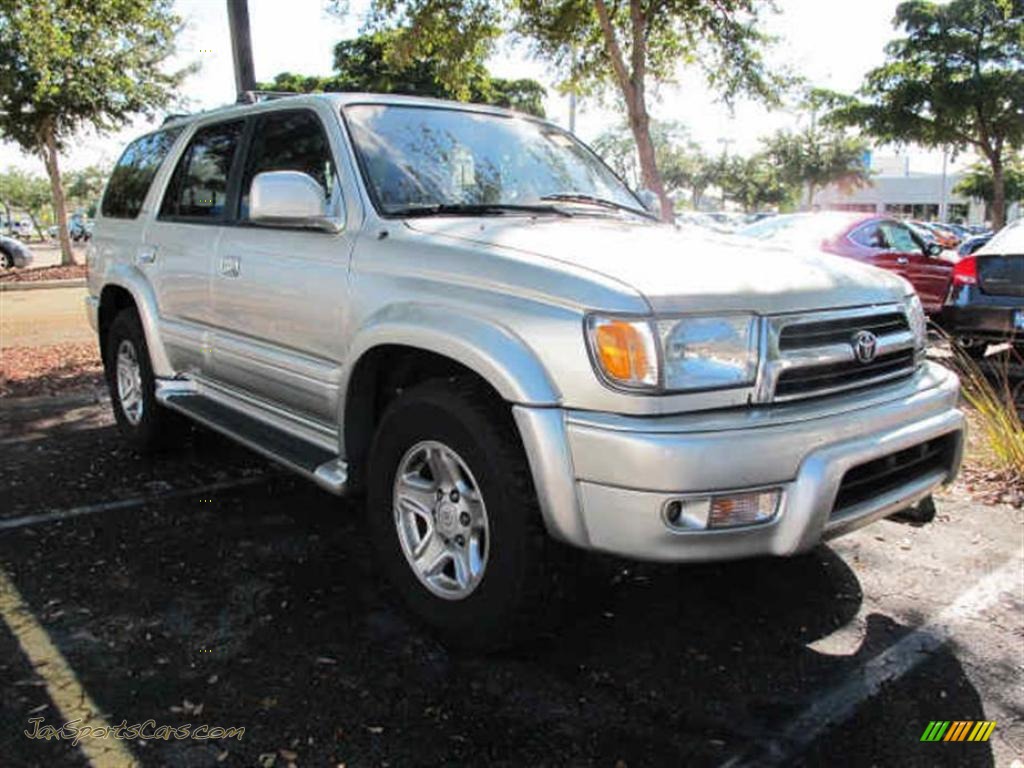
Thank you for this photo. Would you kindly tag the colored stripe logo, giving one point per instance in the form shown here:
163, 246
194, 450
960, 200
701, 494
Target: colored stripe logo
958, 730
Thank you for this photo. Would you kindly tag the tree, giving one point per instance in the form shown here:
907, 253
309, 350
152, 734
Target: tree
25, 191
755, 182
978, 182
362, 64
596, 45
954, 81
684, 166
818, 157
65, 65
84, 186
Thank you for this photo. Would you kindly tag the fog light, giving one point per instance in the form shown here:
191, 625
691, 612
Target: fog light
743, 509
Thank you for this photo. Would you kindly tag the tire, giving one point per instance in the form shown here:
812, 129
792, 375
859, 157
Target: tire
516, 585
144, 423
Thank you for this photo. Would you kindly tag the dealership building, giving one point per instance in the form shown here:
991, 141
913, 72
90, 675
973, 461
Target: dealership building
897, 190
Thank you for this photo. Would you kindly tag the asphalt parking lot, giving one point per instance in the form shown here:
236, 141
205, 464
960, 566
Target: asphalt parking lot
207, 587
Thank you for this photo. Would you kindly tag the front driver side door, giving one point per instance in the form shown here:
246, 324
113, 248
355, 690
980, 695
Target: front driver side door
280, 295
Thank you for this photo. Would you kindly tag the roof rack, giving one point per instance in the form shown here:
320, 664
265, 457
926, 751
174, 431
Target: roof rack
254, 97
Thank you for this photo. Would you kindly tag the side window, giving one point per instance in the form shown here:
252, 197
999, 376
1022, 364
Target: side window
134, 173
199, 187
289, 141
900, 238
870, 236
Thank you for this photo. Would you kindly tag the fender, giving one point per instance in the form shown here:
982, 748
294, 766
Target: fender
485, 347
132, 280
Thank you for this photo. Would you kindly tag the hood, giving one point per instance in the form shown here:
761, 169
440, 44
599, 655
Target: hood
682, 271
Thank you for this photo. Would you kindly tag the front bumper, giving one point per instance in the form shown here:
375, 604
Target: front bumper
604, 480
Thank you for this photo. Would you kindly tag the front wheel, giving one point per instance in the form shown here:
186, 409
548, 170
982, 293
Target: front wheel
142, 420
454, 515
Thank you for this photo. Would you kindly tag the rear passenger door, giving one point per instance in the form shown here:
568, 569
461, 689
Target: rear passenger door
280, 295
180, 244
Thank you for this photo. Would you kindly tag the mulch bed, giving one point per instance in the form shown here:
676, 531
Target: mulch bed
73, 272
55, 370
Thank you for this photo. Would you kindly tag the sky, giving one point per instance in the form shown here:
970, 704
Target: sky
830, 42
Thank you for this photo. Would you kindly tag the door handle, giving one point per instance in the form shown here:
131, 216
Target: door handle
146, 254
230, 266
902, 260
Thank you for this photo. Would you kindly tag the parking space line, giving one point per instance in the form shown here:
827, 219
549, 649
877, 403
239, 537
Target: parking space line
62, 685
136, 501
838, 704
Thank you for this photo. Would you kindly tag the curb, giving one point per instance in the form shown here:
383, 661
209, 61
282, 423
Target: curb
96, 396
42, 285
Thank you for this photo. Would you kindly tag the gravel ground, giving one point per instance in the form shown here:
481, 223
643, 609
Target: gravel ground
260, 606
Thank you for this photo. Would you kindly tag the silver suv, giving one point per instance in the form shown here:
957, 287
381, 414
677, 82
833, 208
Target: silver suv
461, 312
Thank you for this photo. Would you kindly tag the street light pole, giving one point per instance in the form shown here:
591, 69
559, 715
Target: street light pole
241, 46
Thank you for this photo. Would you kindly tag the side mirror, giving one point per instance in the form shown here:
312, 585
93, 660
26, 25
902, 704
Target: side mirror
933, 249
289, 199
650, 201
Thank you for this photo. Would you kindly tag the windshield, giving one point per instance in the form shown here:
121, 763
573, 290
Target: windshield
799, 228
424, 157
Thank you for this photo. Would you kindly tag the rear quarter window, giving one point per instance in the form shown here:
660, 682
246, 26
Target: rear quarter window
132, 176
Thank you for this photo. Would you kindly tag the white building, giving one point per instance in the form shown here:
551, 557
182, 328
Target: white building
896, 189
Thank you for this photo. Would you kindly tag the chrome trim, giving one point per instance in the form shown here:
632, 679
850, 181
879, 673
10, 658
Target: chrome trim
774, 361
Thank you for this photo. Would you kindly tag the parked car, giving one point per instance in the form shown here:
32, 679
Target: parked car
877, 240
972, 243
464, 313
944, 237
986, 303
14, 253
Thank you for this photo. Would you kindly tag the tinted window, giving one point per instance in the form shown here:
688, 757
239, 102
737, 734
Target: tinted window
900, 238
870, 235
134, 173
199, 188
289, 141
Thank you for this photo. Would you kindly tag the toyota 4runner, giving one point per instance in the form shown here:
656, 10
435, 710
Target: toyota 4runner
464, 314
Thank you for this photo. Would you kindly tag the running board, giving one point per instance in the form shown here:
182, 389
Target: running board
313, 461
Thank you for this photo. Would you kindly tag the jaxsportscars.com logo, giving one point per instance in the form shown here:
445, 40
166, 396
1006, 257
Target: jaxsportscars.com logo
958, 730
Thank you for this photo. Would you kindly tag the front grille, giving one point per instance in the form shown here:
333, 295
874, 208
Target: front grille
851, 374
817, 354
879, 476
839, 331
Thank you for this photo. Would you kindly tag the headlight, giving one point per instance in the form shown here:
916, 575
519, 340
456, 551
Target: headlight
624, 351
704, 352
688, 353
917, 321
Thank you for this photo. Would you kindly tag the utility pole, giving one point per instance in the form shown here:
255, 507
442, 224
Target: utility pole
942, 195
572, 92
241, 47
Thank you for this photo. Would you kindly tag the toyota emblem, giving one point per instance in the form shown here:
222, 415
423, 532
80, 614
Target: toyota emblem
865, 345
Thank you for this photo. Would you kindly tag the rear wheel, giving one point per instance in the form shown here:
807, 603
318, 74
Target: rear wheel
144, 422
454, 515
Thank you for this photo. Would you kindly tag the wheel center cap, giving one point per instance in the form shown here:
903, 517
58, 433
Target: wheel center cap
447, 517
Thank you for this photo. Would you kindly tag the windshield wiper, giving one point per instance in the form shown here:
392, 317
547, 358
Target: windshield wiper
475, 209
581, 197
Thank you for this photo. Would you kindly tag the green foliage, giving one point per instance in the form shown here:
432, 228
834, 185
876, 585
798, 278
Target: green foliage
756, 182
978, 182
83, 187
66, 64
817, 157
723, 39
955, 80
364, 64
684, 166
27, 192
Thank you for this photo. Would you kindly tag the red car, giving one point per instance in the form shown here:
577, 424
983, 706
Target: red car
879, 240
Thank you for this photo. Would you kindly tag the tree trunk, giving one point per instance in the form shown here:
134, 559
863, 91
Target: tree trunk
631, 82
640, 124
49, 150
998, 209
